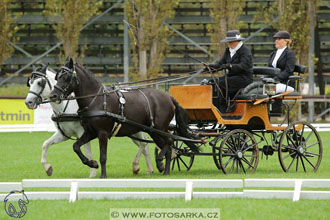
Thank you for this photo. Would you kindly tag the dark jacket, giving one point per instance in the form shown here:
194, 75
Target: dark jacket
241, 62
286, 63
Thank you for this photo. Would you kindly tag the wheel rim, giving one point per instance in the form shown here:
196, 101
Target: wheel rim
216, 153
239, 152
300, 148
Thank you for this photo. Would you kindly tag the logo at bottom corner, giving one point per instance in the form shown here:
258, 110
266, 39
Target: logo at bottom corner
16, 208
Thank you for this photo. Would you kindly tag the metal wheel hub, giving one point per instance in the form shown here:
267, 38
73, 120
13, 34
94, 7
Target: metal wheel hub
301, 150
239, 154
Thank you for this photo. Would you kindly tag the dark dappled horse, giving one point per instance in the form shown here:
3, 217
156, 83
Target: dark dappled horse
149, 107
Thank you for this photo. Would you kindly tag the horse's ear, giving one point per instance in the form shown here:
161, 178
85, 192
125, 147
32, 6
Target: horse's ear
67, 59
71, 63
44, 68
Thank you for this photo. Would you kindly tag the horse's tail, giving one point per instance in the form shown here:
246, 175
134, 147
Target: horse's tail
182, 127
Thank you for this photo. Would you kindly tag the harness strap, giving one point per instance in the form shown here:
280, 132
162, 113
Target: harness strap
149, 107
57, 118
135, 124
93, 100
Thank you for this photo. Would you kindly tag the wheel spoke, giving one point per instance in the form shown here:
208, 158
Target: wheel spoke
184, 163
232, 167
302, 163
247, 162
288, 155
302, 133
297, 163
228, 161
173, 164
310, 154
233, 144
240, 163
249, 147
308, 161
231, 149
310, 134
289, 147
292, 162
290, 139
312, 145
237, 166
295, 132
177, 161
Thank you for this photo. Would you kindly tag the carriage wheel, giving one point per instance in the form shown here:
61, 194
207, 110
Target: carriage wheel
216, 151
182, 157
300, 148
239, 152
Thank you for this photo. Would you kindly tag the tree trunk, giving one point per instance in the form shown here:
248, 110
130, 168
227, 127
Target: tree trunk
154, 59
143, 63
142, 49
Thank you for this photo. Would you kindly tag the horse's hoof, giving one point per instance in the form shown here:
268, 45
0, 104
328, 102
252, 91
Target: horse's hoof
150, 172
49, 171
103, 176
135, 172
94, 164
166, 174
161, 168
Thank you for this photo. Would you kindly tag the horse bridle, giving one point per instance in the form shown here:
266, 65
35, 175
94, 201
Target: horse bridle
64, 70
35, 75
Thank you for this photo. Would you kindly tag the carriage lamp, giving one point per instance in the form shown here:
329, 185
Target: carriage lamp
270, 89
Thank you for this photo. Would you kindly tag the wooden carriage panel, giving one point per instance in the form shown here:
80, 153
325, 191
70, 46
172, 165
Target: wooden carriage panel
201, 115
193, 96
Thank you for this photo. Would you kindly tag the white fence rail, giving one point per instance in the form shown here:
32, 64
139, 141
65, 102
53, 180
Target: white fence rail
188, 185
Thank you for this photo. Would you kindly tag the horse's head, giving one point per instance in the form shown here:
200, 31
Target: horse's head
67, 81
40, 87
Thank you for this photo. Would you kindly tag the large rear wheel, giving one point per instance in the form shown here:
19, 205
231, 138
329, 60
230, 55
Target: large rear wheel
300, 148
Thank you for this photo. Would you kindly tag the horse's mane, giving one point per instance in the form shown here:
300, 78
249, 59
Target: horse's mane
88, 73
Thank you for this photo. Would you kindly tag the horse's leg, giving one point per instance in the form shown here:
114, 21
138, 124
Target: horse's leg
87, 147
164, 145
168, 160
103, 142
143, 148
88, 152
57, 137
85, 138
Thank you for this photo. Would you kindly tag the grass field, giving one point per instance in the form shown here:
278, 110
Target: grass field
20, 159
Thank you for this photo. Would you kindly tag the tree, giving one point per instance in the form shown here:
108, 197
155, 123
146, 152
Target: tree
225, 14
70, 16
294, 17
7, 31
148, 34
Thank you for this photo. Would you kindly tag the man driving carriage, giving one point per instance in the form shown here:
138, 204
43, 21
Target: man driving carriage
237, 61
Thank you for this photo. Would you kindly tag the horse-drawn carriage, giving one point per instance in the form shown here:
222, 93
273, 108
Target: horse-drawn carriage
236, 130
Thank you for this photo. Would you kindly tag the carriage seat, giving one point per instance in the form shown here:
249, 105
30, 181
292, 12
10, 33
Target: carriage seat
255, 90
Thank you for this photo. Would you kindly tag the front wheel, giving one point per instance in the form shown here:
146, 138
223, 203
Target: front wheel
239, 152
182, 157
300, 148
